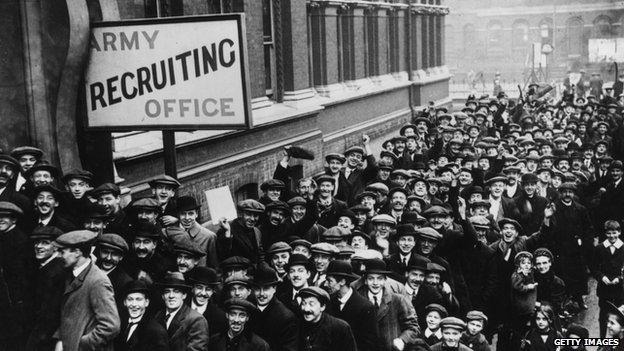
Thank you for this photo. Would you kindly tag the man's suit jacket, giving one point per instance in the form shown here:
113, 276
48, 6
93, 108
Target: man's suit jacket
89, 318
188, 330
148, 335
277, 325
50, 282
396, 318
56, 221
426, 295
285, 295
119, 278
360, 314
395, 264
612, 202
247, 342
217, 321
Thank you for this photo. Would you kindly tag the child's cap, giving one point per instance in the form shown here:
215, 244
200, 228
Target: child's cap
477, 315
521, 255
436, 307
453, 323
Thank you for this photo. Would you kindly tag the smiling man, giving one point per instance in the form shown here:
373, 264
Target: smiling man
205, 283
108, 195
47, 200
241, 237
9, 167
110, 250
139, 331
299, 271
163, 189
530, 205
144, 261
320, 331
187, 329
188, 213
27, 156
238, 336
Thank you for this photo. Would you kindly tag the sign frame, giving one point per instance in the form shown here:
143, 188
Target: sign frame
244, 67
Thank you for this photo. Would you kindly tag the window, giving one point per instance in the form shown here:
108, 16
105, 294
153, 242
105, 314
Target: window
393, 39
346, 55
269, 47
494, 35
574, 35
372, 42
520, 35
425, 34
602, 27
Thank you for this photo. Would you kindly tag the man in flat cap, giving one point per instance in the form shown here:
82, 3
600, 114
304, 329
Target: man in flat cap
17, 267
353, 308
188, 255
273, 189
74, 203
164, 188
273, 226
238, 336
48, 289
8, 171
139, 331
188, 213
328, 206
145, 210
452, 328
42, 173
272, 320
204, 284
110, 250
529, 204
241, 237
319, 330
356, 175
89, 317
109, 195
187, 329
278, 255
145, 261
27, 156
95, 218
47, 199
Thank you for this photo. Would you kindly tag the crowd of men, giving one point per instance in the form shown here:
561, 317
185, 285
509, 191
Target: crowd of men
465, 225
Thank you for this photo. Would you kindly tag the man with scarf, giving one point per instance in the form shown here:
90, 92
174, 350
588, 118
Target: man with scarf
328, 207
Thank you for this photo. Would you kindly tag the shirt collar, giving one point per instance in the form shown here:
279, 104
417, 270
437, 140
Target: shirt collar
438, 333
47, 220
343, 300
41, 265
76, 271
379, 295
618, 244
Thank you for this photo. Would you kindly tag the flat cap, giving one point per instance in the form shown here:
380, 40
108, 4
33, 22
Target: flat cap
26, 150
187, 246
297, 200
78, 174
379, 187
235, 262
476, 315
106, 188
8, 160
272, 184
238, 278
436, 210
279, 246
567, 186
364, 194
146, 203
325, 248
429, 233
529, 178
315, 291
496, 178
239, 304
335, 156
325, 178
513, 222
366, 255
113, 241
542, 251
453, 323
356, 149
250, 205
10, 208
277, 205
164, 179
334, 234
300, 152
480, 221
438, 308
301, 242
384, 218
76, 238
433, 267
45, 232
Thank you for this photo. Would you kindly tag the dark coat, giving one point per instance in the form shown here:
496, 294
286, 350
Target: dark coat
246, 342
551, 289
395, 264
426, 295
476, 262
534, 342
16, 277
244, 242
11, 195
530, 211
440, 347
50, 282
285, 295
328, 217
277, 325
217, 321
612, 202
328, 334
57, 221
476, 343
359, 313
149, 335
119, 278
188, 330
609, 265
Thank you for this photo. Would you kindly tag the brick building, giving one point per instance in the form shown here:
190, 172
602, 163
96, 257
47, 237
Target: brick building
322, 73
490, 36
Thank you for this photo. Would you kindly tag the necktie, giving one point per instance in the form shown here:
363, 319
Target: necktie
376, 302
129, 329
167, 316
405, 261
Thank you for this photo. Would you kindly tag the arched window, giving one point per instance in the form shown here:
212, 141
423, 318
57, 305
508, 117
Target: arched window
469, 36
520, 35
495, 36
574, 36
603, 27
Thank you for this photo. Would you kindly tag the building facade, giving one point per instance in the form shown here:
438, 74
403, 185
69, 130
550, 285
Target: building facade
322, 73
490, 36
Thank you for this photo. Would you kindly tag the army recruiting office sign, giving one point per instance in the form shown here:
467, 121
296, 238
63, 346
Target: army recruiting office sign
168, 74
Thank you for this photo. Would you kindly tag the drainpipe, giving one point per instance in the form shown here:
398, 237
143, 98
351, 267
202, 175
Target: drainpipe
408, 57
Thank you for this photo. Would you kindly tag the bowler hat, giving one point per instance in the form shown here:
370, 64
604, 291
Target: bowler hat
405, 230
174, 280
78, 174
418, 262
148, 230
8, 160
407, 126
277, 205
43, 166
411, 217
265, 276
48, 188
356, 149
235, 262
187, 203
376, 266
341, 269
136, 286
203, 275
299, 260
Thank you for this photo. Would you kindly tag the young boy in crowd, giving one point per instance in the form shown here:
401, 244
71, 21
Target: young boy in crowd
434, 313
472, 337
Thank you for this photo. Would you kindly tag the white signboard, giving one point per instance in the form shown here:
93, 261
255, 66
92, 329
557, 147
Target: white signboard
176, 74
606, 50
220, 204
